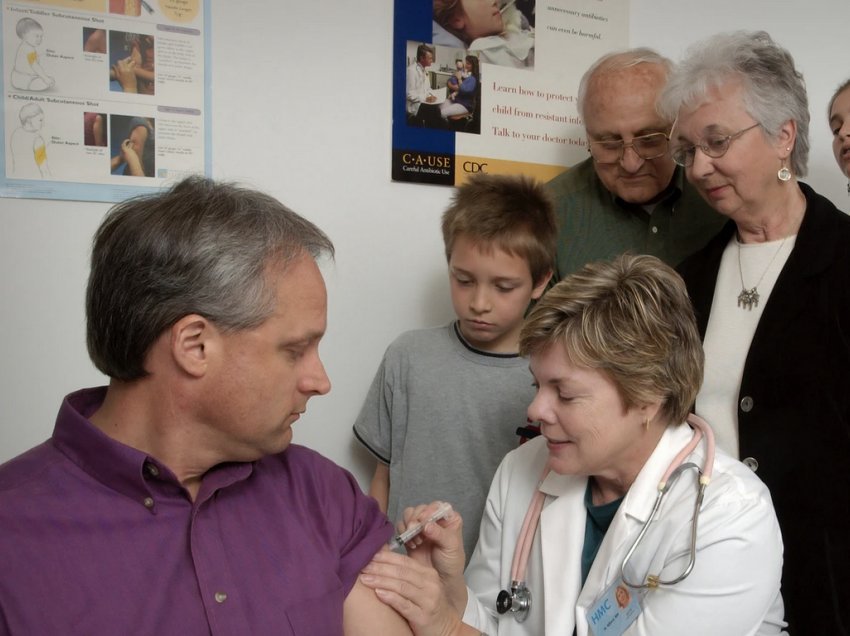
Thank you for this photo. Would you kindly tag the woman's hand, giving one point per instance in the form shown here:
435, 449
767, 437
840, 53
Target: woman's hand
125, 72
127, 149
414, 590
131, 157
136, 54
439, 545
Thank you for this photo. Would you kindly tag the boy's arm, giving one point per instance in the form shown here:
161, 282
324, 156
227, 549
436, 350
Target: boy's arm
380, 486
375, 427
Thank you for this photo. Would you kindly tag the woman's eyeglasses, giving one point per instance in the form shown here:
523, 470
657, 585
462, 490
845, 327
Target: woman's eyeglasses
714, 146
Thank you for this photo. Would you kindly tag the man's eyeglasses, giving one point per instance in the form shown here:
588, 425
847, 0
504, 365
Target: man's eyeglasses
714, 146
646, 147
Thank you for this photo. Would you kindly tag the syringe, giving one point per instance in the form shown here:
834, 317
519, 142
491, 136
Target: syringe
413, 531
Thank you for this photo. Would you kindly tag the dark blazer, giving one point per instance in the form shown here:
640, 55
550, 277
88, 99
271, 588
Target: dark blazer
794, 408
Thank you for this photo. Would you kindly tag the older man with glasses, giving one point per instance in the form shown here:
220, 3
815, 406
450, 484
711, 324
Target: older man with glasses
628, 195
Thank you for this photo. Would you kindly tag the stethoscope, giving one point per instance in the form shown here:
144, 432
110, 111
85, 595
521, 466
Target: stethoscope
517, 600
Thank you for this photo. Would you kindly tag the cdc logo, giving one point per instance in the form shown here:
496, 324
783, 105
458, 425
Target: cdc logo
472, 166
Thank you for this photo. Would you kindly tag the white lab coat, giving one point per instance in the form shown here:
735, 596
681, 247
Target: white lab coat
417, 87
734, 586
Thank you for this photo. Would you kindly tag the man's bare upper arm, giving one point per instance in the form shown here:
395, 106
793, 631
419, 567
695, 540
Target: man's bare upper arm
363, 614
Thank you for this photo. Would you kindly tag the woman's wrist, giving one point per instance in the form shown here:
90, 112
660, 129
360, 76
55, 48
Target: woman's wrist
458, 593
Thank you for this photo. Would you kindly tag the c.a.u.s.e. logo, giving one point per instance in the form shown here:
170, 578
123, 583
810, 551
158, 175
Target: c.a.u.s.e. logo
425, 161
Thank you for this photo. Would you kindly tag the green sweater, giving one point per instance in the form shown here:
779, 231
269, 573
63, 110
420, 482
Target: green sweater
595, 225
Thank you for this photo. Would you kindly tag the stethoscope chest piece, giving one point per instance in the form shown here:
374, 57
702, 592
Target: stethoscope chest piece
517, 601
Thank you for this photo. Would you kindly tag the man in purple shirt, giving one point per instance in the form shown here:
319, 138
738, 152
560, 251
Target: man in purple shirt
171, 501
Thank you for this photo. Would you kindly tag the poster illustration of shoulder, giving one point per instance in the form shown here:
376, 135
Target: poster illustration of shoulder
103, 99
490, 85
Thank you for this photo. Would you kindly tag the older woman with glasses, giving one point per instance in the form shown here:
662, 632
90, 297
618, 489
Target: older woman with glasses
772, 297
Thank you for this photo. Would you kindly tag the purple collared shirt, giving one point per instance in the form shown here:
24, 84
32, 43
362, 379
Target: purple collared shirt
99, 538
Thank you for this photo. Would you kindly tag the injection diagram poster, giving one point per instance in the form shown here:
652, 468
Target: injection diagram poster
518, 113
103, 99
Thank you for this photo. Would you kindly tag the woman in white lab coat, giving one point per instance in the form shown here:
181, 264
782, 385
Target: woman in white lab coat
616, 357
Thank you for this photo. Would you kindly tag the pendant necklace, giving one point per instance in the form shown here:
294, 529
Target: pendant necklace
749, 298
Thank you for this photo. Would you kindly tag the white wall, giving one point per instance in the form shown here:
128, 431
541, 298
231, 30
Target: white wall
301, 109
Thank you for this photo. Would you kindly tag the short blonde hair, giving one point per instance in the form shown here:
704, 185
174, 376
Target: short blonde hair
630, 318
512, 213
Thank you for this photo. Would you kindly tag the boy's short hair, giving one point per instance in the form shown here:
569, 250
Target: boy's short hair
513, 213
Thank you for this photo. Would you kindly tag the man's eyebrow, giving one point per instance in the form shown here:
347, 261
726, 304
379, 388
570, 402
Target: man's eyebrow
652, 131
608, 135
303, 340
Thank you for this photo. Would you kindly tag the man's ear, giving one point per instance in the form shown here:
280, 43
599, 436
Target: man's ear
191, 337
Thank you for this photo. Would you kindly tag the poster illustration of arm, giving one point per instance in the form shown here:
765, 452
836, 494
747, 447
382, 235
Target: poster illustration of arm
113, 93
519, 115
28, 148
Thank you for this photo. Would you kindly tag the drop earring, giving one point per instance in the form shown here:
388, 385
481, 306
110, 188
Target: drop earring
784, 174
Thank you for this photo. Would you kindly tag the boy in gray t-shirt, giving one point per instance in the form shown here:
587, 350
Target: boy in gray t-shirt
445, 403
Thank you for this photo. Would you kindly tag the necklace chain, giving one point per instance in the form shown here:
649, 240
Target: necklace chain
749, 298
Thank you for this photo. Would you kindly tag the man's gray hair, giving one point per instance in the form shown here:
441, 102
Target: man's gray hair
774, 91
201, 247
617, 61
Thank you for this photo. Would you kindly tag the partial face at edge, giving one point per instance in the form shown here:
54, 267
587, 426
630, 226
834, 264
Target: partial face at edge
839, 124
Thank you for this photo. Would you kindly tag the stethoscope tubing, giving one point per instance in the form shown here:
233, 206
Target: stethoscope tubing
701, 429
519, 563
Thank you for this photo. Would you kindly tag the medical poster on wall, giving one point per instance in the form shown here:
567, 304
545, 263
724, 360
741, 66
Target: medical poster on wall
490, 85
103, 99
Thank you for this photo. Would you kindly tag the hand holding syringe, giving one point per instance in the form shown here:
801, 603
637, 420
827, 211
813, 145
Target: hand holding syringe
398, 541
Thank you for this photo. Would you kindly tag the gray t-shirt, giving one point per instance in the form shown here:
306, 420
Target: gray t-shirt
443, 415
